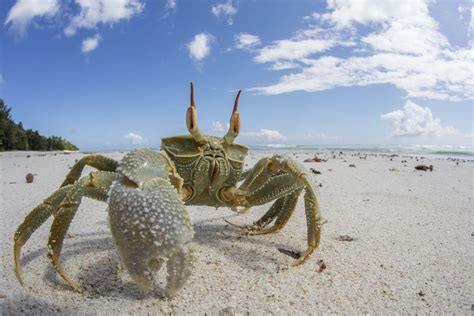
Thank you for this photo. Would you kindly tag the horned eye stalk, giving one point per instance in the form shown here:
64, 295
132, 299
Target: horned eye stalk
234, 123
192, 121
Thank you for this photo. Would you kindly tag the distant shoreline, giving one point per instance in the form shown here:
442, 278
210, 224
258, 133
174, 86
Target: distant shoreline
444, 152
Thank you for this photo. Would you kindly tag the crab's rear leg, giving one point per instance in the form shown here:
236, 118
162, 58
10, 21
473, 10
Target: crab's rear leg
283, 212
63, 204
98, 162
32, 222
279, 178
96, 186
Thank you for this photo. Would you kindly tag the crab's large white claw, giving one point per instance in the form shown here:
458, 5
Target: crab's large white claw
150, 224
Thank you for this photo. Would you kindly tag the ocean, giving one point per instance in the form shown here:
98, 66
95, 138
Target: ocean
447, 151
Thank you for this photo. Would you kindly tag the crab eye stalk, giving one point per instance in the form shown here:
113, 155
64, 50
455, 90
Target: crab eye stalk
234, 124
191, 118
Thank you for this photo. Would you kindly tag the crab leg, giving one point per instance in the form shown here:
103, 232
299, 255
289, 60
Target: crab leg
32, 222
278, 178
99, 162
282, 214
95, 185
63, 204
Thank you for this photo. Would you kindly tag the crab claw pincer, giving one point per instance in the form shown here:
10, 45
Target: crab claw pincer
150, 226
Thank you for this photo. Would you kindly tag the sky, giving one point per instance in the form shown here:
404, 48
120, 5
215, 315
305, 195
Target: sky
114, 74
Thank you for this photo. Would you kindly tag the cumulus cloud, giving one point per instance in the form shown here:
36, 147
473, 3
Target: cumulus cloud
91, 43
200, 46
224, 10
217, 126
415, 120
93, 13
246, 41
24, 11
401, 45
135, 138
266, 134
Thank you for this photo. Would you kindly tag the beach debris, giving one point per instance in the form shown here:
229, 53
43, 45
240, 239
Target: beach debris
322, 265
393, 169
344, 238
315, 171
424, 167
421, 293
352, 165
320, 185
28, 156
29, 178
315, 159
291, 253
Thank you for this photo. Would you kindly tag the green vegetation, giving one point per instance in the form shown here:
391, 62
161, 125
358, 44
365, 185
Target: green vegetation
14, 137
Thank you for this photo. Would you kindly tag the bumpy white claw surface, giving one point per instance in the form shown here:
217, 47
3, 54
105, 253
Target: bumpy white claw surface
150, 225
143, 164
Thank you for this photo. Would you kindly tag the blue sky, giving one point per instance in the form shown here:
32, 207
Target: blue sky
112, 74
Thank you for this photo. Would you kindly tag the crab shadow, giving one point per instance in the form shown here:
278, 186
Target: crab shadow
100, 275
27, 305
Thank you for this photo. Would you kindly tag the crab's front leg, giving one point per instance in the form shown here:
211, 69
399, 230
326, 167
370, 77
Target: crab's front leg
149, 222
282, 180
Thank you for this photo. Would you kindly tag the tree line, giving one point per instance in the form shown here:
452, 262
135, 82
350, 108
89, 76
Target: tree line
13, 136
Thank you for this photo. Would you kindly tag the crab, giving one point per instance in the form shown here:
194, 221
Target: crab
147, 193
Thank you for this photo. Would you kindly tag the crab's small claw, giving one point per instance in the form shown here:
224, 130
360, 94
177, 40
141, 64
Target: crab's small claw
150, 224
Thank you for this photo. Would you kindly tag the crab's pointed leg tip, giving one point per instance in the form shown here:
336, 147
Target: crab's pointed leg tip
233, 224
17, 252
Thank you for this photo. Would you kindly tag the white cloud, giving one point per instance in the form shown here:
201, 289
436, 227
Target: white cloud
415, 120
102, 12
217, 126
200, 46
135, 138
401, 46
292, 49
91, 43
171, 4
24, 11
319, 137
246, 41
266, 134
170, 7
224, 10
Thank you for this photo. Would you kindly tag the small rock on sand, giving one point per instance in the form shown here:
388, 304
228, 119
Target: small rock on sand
424, 167
29, 178
322, 265
344, 238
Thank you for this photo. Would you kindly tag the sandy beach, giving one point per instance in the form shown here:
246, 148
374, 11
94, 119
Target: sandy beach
411, 246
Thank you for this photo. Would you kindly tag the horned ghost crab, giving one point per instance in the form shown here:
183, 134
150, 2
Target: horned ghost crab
147, 193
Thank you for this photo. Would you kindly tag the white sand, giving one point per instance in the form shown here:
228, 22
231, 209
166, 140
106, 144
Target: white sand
413, 250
